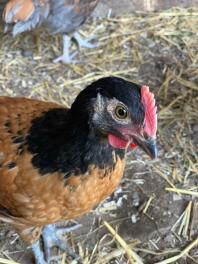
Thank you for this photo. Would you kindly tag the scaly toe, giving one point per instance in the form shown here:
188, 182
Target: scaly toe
38, 253
61, 231
85, 43
66, 59
53, 237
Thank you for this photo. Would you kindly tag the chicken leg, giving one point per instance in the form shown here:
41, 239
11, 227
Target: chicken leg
66, 57
84, 43
53, 237
38, 253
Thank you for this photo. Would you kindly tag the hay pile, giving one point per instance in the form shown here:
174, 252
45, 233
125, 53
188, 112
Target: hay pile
158, 49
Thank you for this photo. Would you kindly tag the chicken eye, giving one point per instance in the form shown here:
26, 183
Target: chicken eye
121, 112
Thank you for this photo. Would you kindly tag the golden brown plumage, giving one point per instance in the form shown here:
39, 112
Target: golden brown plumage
57, 164
16, 171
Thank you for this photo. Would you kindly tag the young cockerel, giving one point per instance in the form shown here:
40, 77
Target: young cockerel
57, 164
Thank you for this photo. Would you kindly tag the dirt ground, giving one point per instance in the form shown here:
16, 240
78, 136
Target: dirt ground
142, 210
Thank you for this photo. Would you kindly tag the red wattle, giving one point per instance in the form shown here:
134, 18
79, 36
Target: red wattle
133, 145
119, 143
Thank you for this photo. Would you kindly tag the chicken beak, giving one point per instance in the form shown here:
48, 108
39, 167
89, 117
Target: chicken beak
148, 145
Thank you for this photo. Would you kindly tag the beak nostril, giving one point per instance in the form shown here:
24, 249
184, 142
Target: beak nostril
148, 144
146, 136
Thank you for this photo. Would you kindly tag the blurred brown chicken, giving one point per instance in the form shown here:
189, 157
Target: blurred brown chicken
58, 16
57, 164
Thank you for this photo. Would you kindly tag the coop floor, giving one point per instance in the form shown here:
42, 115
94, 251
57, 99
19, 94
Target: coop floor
157, 49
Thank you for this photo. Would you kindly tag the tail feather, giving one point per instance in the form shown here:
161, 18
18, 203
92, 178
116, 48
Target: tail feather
5, 216
25, 14
18, 10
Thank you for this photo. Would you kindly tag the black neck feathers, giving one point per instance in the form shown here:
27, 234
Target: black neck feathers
62, 141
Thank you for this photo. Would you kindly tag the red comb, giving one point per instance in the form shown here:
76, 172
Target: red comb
150, 119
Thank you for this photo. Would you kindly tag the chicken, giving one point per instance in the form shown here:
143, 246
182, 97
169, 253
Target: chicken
57, 16
57, 163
